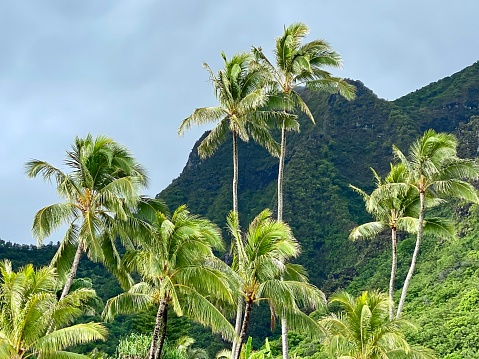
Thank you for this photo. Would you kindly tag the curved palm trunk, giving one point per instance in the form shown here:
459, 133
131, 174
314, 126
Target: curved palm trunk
235, 173
393, 271
163, 332
69, 281
284, 323
154, 348
414, 256
244, 327
73, 271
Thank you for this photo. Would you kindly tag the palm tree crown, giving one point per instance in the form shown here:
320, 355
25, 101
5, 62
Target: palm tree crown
434, 169
33, 322
177, 267
259, 258
298, 64
239, 88
395, 205
99, 191
363, 330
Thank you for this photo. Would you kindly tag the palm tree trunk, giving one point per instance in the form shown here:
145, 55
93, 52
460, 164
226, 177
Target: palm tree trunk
235, 173
284, 323
239, 310
156, 331
239, 315
284, 337
244, 327
163, 331
73, 271
281, 172
71, 276
393, 271
414, 256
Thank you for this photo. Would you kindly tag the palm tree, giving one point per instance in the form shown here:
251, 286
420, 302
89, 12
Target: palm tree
259, 262
363, 330
178, 268
29, 306
239, 88
434, 169
394, 206
99, 192
297, 65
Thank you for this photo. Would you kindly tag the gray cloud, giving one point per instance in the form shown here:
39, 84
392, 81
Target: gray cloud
132, 70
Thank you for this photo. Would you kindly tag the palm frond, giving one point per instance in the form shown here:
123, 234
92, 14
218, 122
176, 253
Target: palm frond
202, 116
65, 337
214, 139
128, 303
367, 230
51, 217
200, 309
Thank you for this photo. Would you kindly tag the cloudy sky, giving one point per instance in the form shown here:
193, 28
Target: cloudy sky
132, 70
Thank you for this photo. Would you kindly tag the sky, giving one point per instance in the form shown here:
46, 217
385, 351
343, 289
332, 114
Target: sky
132, 70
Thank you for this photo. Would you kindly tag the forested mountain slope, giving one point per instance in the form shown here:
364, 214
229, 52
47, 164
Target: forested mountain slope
347, 139
322, 160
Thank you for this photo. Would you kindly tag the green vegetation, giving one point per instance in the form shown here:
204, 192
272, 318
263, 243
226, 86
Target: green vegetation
362, 329
258, 262
241, 93
164, 260
33, 321
434, 168
298, 65
99, 193
178, 268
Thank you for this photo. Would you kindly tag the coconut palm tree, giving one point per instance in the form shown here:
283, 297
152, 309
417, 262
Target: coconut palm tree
178, 268
28, 307
99, 192
259, 258
239, 88
394, 206
434, 169
298, 65
363, 330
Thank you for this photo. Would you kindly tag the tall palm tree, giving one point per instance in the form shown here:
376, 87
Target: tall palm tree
99, 192
259, 258
28, 307
298, 65
394, 206
239, 88
434, 168
178, 268
363, 330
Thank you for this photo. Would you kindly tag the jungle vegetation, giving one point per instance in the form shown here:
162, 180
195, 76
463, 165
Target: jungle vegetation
141, 258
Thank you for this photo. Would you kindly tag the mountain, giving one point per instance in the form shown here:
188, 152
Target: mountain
445, 104
322, 160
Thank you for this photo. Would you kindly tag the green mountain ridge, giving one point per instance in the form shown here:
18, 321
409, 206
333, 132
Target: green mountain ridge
322, 160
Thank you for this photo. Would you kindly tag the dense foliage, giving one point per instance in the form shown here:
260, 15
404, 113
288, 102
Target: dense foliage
348, 138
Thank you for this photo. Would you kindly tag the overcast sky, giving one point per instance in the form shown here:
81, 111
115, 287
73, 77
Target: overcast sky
132, 70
